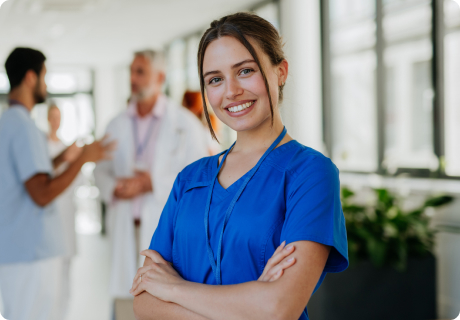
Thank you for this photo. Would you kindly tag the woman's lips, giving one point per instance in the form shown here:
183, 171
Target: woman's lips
242, 112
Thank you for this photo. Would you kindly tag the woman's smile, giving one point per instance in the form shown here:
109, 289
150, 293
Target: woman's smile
240, 108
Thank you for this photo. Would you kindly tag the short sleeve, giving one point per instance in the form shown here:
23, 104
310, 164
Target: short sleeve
30, 152
162, 240
314, 211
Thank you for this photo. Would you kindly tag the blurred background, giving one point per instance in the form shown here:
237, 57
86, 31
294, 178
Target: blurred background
373, 84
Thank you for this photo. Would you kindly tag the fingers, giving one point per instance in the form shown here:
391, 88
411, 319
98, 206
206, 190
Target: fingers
138, 288
276, 272
104, 138
276, 276
280, 255
154, 255
270, 262
111, 146
280, 247
138, 277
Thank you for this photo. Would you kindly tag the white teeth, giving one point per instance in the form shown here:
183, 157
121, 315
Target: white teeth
240, 107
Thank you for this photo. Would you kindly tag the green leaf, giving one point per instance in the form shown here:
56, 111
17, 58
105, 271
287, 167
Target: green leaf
377, 251
347, 193
438, 201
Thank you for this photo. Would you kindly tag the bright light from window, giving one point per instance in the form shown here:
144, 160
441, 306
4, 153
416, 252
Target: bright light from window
4, 84
2, 2
456, 1
61, 82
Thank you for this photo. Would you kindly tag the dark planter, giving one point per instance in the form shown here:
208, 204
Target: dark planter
364, 292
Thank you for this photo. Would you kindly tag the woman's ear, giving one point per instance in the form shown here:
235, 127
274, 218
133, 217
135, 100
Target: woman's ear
282, 69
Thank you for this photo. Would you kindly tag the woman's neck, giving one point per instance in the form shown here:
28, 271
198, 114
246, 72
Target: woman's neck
53, 137
261, 137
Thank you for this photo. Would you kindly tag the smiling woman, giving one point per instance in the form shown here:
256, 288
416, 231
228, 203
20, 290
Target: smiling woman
249, 233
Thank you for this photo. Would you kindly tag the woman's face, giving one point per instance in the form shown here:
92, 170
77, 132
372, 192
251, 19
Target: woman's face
234, 84
54, 119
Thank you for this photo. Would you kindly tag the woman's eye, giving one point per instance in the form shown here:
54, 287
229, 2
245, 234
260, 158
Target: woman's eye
246, 71
214, 80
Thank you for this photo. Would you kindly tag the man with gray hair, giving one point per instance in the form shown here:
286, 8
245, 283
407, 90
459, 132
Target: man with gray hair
156, 139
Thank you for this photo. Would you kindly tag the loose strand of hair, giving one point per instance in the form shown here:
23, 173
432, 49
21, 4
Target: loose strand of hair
253, 52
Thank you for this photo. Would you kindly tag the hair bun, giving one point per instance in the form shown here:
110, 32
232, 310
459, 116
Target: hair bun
218, 23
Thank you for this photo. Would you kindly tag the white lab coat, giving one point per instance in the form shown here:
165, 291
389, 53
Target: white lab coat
180, 141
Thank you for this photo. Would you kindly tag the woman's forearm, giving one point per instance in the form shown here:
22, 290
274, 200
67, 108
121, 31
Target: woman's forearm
282, 299
147, 307
250, 300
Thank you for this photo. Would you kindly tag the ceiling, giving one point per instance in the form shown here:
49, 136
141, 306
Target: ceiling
103, 32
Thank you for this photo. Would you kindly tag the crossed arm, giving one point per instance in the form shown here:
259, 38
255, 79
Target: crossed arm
162, 294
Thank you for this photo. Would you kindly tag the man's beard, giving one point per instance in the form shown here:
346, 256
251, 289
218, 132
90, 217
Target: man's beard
142, 94
39, 97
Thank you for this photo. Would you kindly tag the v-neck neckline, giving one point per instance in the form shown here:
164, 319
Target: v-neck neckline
235, 184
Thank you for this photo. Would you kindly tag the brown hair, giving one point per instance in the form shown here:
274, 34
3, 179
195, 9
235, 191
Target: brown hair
241, 26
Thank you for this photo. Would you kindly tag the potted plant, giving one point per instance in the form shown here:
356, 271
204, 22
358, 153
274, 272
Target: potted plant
392, 269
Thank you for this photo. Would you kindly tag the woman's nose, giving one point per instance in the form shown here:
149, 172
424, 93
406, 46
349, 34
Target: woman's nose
233, 89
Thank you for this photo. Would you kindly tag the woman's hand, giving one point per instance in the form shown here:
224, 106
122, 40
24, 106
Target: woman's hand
158, 279
278, 263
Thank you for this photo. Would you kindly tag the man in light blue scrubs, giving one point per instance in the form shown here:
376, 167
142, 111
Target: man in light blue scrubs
30, 229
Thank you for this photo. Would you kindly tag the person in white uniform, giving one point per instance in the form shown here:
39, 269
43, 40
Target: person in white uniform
31, 239
156, 139
65, 204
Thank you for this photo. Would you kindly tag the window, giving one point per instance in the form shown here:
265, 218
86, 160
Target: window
409, 93
391, 79
71, 90
452, 87
353, 102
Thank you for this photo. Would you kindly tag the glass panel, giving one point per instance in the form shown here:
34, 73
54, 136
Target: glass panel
353, 64
4, 83
452, 85
451, 14
69, 80
409, 89
60, 82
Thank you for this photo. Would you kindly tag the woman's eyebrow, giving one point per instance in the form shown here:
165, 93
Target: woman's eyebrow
210, 72
241, 63
236, 65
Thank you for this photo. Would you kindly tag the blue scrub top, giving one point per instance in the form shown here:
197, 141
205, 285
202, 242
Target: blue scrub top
28, 232
294, 196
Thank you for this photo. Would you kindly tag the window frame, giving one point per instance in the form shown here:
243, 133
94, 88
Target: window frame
437, 68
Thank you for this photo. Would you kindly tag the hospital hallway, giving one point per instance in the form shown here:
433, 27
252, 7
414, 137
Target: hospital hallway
90, 271
89, 298
114, 115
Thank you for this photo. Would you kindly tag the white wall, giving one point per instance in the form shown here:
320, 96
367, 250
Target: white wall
109, 99
302, 106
